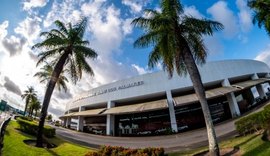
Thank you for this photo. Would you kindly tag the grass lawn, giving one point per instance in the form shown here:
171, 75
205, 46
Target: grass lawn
14, 145
250, 145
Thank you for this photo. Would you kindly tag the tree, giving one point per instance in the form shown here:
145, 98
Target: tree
49, 117
177, 41
262, 13
45, 74
64, 45
35, 106
28, 95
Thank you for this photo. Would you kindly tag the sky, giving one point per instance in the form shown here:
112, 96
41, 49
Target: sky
111, 35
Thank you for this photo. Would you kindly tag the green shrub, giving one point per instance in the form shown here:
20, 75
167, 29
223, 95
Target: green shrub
31, 127
253, 122
57, 123
267, 107
121, 151
26, 118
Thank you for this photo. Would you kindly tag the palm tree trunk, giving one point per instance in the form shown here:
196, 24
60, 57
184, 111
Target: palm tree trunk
200, 92
36, 114
55, 75
32, 110
29, 112
25, 109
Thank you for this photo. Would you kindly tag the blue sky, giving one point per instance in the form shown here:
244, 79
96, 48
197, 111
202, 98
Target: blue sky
111, 35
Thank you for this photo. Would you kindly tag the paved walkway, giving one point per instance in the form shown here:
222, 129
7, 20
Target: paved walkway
182, 141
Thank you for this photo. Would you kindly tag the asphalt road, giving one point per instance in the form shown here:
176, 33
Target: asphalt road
182, 141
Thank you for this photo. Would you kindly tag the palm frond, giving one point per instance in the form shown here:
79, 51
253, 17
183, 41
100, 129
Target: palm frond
86, 51
146, 40
141, 22
43, 56
58, 33
81, 27
50, 43
61, 26
198, 48
154, 57
83, 65
201, 26
261, 14
72, 70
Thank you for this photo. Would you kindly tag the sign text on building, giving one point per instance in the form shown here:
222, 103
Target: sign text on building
113, 89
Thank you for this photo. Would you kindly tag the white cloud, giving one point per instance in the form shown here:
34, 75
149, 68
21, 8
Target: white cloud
92, 8
213, 45
140, 70
29, 4
65, 11
192, 11
29, 28
221, 13
244, 15
11, 86
13, 45
106, 30
3, 29
134, 5
20, 69
264, 56
127, 27
107, 27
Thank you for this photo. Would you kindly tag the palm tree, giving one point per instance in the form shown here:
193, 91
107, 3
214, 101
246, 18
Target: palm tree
177, 41
35, 106
31, 109
66, 47
45, 74
262, 13
28, 95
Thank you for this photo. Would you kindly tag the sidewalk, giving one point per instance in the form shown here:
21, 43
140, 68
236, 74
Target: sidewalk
182, 141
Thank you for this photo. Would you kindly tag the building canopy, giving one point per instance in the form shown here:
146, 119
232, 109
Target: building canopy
136, 108
250, 83
212, 93
91, 112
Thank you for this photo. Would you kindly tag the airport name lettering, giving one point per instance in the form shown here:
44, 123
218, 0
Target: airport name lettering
125, 86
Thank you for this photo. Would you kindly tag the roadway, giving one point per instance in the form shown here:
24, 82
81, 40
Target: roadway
176, 142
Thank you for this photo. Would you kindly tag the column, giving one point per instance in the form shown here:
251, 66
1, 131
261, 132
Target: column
171, 111
64, 122
259, 87
231, 100
80, 123
110, 120
68, 122
268, 83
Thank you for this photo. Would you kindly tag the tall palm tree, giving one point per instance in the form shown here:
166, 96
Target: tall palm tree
45, 74
262, 13
178, 44
31, 109
35, 106
28, 95
65, 45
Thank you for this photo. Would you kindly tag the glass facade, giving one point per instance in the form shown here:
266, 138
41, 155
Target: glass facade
158, 122
147, 123
247, 99
191, 116
188, 117
95, 125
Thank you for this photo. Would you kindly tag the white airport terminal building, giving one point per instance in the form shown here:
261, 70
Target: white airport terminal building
154, 104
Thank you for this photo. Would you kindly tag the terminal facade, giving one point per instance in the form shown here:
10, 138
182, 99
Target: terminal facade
153, 104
